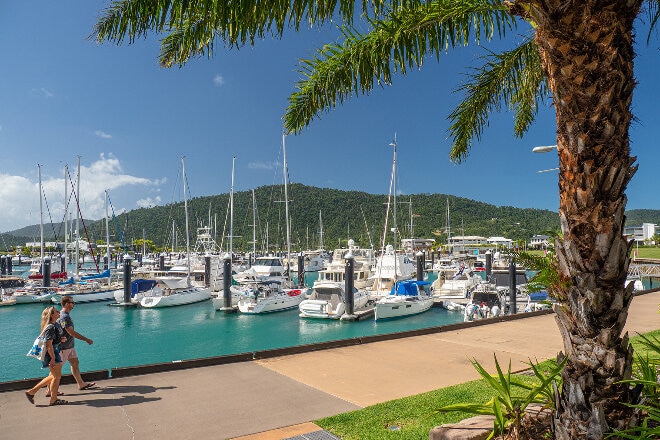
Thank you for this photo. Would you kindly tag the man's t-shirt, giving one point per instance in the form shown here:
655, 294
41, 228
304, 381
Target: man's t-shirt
66, 321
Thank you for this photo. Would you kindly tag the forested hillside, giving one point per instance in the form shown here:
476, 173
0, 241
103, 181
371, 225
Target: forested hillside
345, 214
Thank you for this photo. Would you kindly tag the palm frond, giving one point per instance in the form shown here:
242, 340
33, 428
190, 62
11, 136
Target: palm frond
513, 78
234, 22
396, 44
653, 9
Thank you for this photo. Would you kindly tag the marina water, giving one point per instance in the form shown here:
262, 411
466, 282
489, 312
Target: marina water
130, 337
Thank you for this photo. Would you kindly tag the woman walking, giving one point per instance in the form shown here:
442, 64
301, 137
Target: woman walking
53, 334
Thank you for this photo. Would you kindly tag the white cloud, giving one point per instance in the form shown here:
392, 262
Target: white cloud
148, 202
19, 195
263, 165
103, 134
43, 92
218, 80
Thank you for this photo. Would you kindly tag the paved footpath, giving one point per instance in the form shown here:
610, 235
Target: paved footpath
279, 397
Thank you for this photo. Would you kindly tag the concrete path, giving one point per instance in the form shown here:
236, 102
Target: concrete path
277, 398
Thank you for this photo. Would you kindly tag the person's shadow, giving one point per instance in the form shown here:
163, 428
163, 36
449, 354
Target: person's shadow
117, 395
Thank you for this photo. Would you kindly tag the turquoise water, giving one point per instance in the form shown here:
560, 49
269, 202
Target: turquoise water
129, 337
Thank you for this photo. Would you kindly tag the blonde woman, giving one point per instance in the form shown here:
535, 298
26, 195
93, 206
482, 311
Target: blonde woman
53, 334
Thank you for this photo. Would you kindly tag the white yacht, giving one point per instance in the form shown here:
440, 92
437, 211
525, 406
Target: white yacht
406, 298
174, 291
328, 300
266, 297
458, 286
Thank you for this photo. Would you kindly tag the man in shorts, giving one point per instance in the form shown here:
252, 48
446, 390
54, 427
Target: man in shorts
67, 350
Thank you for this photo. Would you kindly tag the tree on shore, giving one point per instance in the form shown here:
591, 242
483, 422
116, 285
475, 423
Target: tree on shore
578, 53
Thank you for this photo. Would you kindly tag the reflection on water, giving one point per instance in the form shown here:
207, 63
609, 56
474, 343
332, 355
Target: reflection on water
134, 336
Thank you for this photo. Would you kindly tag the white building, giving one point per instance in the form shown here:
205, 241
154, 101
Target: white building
467, 240
641, 234
539, 241
500, 241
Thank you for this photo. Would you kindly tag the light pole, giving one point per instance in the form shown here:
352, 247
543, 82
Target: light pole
545, 149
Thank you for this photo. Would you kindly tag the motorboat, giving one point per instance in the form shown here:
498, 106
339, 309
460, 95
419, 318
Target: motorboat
174, 291
335, 271
267, 297
406, 298
458, 286
262, 267
328, 300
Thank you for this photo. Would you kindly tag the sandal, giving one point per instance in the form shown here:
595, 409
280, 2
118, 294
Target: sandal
59, 402
88, 386
59, 393
30, 397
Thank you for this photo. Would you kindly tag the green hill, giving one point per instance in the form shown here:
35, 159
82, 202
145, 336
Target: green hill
345, 214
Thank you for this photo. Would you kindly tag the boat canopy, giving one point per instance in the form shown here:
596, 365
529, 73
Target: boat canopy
104, 274
408, 287
67, 282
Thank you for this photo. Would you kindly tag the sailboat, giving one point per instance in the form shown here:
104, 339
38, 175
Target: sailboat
391, 267
406, 296
176, 291
95, 287
275, 298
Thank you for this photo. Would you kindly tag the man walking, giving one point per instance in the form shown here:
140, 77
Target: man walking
67, 350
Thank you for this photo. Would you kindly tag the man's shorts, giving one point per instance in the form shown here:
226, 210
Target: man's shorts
68, 354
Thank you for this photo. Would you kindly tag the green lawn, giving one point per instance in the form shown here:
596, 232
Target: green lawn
411, 418
647, 252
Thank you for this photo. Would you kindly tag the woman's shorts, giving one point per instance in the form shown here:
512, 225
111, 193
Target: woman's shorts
58, 359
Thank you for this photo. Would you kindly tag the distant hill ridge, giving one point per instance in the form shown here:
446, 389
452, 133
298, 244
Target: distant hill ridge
345, 214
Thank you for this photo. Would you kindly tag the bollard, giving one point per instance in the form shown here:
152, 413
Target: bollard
420, 266
301, 270
127, 279
512, 288
106, 263
161, 262
226, 281
349, 299
207, 270
489, 265
46, 272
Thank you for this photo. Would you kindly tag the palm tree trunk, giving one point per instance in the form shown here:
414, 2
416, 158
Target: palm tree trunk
587, 52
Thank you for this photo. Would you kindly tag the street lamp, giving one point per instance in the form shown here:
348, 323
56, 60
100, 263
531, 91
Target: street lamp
545, 149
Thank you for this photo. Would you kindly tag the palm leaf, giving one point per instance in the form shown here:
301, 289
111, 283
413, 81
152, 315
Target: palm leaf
514, 79
396, 44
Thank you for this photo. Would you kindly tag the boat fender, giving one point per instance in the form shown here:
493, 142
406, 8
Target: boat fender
293, 292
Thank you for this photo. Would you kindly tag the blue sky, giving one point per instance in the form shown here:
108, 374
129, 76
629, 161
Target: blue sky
130, 121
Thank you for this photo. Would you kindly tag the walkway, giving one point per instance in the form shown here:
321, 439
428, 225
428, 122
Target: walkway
278, 398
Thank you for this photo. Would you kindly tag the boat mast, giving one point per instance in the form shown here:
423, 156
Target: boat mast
321, 244
231, 208
41, 221
286, 209
66, 213
185, 206
448, 229
393, 144
78, 221
107, 233
254, 225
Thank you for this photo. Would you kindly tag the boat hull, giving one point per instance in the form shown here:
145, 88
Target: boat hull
185, 296
388, 308
86, 297
287, 299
